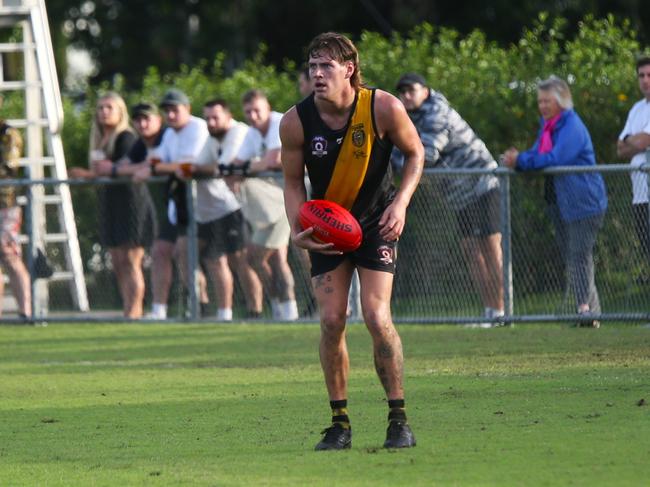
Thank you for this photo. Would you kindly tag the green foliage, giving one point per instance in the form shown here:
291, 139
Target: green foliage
492, 87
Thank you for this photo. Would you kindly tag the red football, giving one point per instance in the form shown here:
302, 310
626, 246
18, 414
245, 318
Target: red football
332, 224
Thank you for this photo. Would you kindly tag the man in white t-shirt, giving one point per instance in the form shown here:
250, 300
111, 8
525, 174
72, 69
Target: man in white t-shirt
181, 144
634, 142
263, 205
221, 224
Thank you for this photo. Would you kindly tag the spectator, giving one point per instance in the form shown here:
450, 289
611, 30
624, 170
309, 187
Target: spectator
181, 143
304, 83
633, 143
221, 225
576, 201
11, 144
449, 142
263, 205
124, 209
149, 126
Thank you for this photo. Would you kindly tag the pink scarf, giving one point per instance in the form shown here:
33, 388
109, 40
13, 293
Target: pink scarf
545, 141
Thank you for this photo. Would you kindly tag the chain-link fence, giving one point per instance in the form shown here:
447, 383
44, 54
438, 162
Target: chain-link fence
448, 271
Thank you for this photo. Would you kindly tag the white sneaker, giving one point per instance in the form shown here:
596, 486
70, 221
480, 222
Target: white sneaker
158, 312
224, 315
288, 310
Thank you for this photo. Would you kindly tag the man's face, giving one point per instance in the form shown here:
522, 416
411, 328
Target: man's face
304, 84
147, 125
176, 116
643, 73
218, 119
328, 75
257, 113
413, 96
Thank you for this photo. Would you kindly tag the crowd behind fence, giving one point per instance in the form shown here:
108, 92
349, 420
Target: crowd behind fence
433, 281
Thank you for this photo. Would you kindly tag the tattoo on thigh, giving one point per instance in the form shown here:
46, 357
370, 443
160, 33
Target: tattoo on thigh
318, 281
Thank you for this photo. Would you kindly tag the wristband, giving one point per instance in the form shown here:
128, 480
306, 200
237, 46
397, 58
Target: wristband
152, 166
114, 171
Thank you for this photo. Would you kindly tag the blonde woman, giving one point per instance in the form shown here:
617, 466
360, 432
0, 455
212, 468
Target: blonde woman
125, 210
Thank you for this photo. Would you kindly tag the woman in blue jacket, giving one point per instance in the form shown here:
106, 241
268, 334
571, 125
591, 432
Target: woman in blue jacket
576, 201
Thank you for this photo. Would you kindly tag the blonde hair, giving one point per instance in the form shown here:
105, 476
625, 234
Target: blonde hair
97, 131
559, 89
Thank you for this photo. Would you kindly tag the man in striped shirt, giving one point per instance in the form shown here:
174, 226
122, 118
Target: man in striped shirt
449, 142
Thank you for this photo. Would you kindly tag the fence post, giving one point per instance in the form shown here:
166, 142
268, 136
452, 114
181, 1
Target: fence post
647, 180
506, 245
192, 251
31, 247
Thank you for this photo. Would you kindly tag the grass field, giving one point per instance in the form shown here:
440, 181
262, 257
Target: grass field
244, 404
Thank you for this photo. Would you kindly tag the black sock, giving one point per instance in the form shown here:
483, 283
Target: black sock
396, 410
340, 413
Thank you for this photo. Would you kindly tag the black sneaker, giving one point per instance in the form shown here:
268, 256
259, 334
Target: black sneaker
336, 438
399, 435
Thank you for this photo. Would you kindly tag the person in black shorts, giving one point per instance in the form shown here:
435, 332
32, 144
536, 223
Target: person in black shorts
449, 142
343, 133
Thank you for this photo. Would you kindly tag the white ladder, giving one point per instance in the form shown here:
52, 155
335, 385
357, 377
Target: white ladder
43, 116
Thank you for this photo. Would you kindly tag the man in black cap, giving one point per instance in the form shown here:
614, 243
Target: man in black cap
449, 142
180, 145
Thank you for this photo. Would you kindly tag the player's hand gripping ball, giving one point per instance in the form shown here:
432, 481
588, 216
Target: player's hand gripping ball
332, 224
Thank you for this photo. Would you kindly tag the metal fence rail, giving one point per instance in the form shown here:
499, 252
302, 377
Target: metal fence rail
434, 281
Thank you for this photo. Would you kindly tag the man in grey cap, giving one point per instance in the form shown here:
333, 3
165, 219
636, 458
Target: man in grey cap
180, 144
449, 142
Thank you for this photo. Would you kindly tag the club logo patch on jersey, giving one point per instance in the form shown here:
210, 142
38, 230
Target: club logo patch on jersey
319, 146
385, 254
358, 135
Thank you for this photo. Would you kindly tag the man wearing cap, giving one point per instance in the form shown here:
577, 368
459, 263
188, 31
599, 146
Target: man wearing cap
449, 142
11, 144
181, 143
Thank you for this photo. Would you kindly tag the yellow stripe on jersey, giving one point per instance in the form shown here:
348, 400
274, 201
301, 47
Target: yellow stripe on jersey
354, 156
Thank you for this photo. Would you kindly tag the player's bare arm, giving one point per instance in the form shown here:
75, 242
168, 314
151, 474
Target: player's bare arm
394, 123
293, 167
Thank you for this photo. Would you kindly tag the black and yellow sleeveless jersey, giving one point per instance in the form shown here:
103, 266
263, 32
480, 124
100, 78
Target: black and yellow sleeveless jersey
350, 166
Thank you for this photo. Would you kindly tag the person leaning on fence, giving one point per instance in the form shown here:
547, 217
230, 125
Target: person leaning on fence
633, 143
576, 201
221, 224
181, 143
354, 129
148, 124
124, 209
11, 144
263, 204
449, 142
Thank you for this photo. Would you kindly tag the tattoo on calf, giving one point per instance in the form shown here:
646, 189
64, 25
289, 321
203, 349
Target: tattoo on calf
329, 290
383, 376
385, 350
